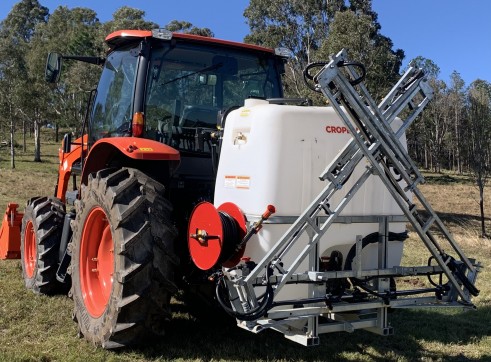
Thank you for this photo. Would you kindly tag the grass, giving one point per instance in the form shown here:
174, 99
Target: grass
39, 328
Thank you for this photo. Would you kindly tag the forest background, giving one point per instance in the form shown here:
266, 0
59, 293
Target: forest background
452, 134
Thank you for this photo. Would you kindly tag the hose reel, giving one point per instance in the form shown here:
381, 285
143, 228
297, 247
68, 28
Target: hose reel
214, 234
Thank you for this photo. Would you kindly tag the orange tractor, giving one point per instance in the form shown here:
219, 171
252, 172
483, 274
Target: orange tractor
193, 172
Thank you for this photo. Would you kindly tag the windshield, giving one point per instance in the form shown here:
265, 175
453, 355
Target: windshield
188, 85
112, 105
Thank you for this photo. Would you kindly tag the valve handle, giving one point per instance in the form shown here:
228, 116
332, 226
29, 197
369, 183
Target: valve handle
270, 210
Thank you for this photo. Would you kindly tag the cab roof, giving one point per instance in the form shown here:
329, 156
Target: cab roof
123, 36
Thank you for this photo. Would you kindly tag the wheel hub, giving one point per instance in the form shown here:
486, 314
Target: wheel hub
30, 250
96, 262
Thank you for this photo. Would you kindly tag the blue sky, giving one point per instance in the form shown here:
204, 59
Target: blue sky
456, 35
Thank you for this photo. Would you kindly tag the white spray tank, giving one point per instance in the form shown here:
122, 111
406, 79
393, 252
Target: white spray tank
274, 154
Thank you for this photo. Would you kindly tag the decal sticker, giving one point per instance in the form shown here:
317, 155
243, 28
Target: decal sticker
245, 112
237, 182
337, 129
229, 182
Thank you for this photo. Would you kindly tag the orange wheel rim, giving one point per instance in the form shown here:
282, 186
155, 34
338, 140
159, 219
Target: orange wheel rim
30, 250
96, 262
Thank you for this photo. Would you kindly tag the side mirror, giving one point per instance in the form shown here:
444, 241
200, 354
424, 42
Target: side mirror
53, 68
67, 143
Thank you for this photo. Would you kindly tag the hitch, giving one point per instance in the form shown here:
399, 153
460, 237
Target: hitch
10, 233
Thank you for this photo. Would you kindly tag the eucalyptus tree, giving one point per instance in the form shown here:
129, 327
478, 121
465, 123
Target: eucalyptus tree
69, 32
11, 86
127, 18
422, 134
456, 93
479, 139
436, 123
358, 31
300, 26
17, 30
315, 29
186, 27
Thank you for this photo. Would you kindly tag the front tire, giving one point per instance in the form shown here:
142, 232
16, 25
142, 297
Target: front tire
42, 226
122, 258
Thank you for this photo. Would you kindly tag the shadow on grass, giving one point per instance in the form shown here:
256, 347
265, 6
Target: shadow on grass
457, 219
443, 179
414, 330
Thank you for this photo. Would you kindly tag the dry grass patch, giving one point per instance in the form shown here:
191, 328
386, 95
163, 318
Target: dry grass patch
39, 328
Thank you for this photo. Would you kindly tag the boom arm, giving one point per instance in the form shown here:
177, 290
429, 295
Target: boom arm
375, 141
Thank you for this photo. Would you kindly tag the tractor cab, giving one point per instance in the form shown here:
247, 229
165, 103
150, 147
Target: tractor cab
172, 89
154, 84
159, 89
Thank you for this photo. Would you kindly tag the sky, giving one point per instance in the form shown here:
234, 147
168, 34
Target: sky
455, 35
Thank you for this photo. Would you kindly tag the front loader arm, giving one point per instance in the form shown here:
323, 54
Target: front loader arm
70, 163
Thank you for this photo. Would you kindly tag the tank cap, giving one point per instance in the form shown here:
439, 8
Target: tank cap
251, 102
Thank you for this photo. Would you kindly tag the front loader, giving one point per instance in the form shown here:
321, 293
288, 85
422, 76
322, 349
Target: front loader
192, 172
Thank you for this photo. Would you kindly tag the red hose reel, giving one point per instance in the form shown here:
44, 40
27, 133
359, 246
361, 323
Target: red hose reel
217, 236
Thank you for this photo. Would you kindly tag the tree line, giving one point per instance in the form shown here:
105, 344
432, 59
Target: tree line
452, 133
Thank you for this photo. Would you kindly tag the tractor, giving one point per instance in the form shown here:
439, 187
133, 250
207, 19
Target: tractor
193, 173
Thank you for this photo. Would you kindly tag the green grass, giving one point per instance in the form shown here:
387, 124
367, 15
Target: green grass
40, 328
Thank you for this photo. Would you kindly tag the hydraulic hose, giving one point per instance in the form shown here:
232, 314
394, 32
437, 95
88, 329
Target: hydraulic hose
370, 239
265, 301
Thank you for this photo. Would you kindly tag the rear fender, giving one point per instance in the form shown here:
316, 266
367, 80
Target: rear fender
149, 156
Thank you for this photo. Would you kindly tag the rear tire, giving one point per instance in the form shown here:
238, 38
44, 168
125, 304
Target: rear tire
42, 226
122, 258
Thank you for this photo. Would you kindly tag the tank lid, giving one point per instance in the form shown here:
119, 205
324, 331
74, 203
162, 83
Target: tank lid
251, 102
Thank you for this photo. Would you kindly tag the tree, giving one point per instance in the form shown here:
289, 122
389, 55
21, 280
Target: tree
300, 26
358, 32
127, 18
479, 103
457, 112
18, 29
69, 32
315, 29
21, 22
187, 27
436, 124
422, 133
11, 85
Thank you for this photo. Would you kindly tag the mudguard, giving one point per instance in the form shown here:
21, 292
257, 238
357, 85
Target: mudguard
128, 149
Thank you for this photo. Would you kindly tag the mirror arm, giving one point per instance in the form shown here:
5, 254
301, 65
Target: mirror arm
91, 60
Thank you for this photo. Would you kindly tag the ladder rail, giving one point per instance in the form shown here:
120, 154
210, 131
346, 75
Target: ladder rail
402, 100
358, 110
392, 149
394, 144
